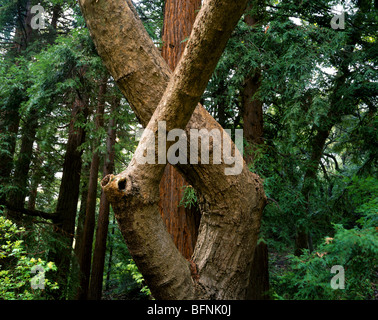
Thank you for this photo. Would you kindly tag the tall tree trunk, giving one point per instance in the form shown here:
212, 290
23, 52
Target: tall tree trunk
85, 256
9, 124
182, 223
231, 205
252, 115
253, 131
68, 197
9, 115
97, 273
21, 172
84, 182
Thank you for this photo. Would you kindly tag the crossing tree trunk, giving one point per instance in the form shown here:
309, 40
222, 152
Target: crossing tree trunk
231, 205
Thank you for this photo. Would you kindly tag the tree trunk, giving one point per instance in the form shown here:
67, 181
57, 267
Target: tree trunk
231, 205
182, 223
9, 115
97, 273
68, 198
259, 278
21, 172
252, 115
253, 131
84, 181
9, 123
85, 256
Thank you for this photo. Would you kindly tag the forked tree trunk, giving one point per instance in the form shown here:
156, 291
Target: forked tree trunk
231, 205
182, 223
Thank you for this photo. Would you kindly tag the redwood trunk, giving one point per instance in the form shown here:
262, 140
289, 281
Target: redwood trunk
253, 131
9, 115
97, 273
182, 223
85, 256
20, 179
68, 198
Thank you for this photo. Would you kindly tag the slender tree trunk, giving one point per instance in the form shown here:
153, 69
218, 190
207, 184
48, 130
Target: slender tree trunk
253, 131
182, 223
68, 198
9, 116
97, 273
9, 123
110, 257
84, 181
21, 172
252, 115
85, 256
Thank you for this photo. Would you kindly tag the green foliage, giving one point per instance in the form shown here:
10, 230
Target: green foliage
138, 277
308, 276
189, 197
16, 266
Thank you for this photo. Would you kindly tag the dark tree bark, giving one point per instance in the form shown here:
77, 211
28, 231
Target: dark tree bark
9, 116
22, 166
182, 223
85, 255
68, 197
253, 131
84, 182
9, 124
97, 273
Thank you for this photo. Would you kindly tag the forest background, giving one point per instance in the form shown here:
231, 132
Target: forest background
303, 90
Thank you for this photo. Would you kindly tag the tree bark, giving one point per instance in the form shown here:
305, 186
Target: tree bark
85, 256
68, 198
9, 115
97, 273
253, 131
22, 166
9, 124
229, 227
252, 115
182, 223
